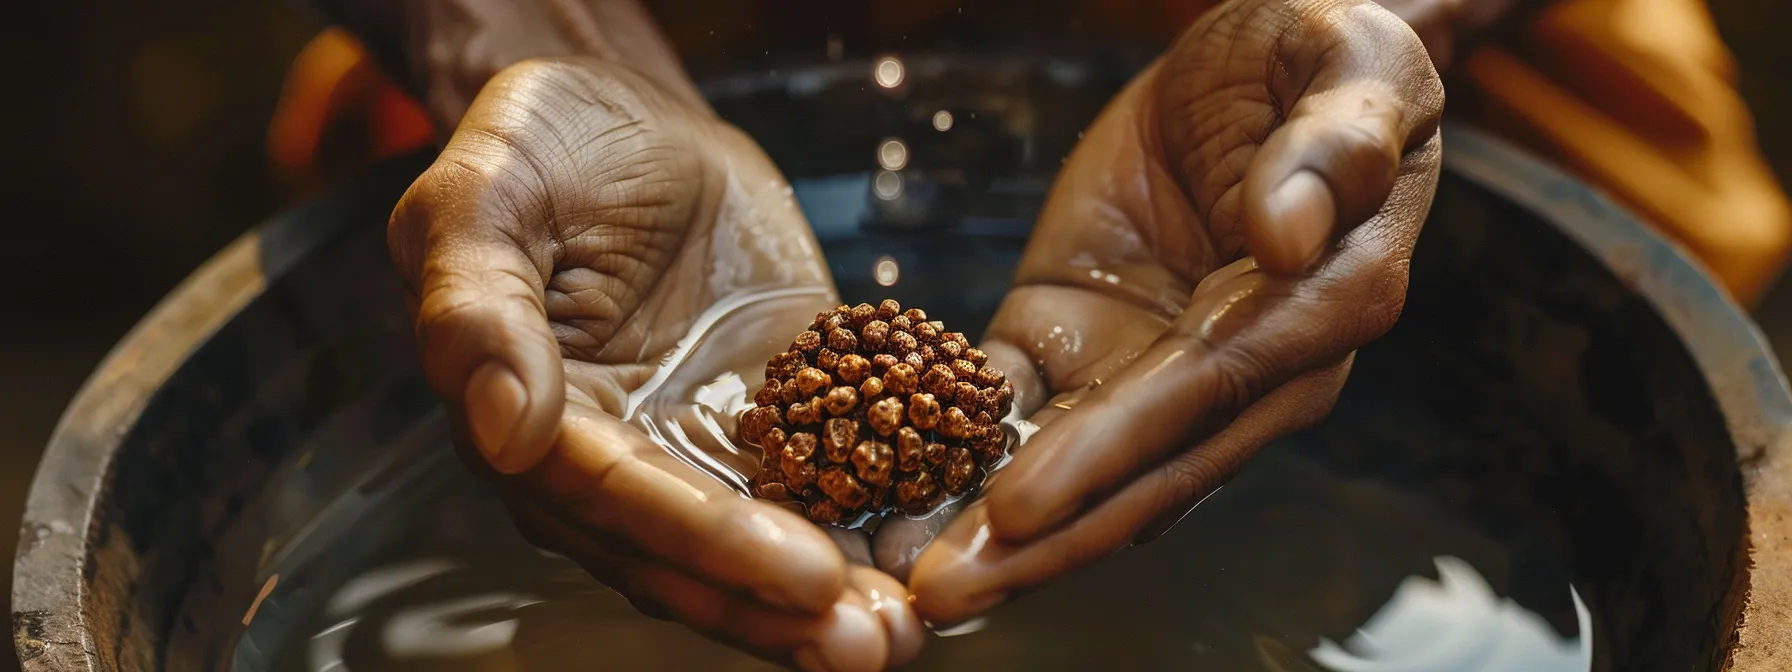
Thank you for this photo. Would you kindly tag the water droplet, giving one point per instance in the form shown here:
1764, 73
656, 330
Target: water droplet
942, 121
892, 154
887, 185
888, 72
886, 271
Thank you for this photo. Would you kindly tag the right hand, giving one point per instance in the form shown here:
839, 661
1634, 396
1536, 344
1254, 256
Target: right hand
578, 224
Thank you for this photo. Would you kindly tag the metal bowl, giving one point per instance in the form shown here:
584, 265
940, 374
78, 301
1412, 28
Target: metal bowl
1557, 362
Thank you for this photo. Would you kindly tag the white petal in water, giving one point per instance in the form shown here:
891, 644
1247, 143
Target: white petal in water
440, 630
1457, 624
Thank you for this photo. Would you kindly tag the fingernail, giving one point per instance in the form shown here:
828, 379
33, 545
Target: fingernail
1301, 211
850, 630
494, 401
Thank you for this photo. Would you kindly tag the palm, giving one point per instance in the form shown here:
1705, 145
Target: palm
1231, 228
601, 269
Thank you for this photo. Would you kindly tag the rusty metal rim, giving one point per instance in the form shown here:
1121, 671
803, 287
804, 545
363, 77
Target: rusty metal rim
48, 587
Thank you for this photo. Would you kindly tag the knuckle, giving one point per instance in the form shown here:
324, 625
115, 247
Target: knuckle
1241, 376
1190, 475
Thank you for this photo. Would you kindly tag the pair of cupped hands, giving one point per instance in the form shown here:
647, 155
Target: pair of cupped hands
1249, 204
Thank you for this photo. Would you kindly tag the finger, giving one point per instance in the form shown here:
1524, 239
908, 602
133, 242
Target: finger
1238, 340
614, 480
851, 635
966, 571
889, 600
1191, 477
480, 323
1356, 90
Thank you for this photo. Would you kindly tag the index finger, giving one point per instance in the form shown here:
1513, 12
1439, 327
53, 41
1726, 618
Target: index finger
611, 478
1239, 339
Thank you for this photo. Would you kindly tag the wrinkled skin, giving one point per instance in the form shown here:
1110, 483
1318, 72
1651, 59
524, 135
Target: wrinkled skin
574, 228
1234, 225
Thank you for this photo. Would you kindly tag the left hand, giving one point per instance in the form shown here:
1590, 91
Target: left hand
1230, 230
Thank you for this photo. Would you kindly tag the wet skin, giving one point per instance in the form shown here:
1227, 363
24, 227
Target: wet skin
1235, 224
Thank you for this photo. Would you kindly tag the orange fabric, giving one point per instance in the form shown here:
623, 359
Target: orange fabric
338, 114
1638, 98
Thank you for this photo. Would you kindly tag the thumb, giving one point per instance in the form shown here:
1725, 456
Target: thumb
1372, 96
477, 290
1347, 93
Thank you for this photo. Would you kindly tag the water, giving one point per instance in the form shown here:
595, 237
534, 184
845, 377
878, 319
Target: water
405, 562
1290, 567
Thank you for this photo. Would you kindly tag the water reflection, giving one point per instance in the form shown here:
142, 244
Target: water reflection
888, 72
892, 154
1457, 623
942, 121
885, 271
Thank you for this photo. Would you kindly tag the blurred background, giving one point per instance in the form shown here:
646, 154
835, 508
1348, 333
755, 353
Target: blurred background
135, 147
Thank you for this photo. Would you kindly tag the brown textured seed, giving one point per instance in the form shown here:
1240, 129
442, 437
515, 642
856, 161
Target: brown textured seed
885, 416
810, 380
845, 489
927, 333
774, 440
989, 377
955, 424
826, 511
938, 381
928, 354
918, 496
964, 369
754, 423
861, 315
902, 343
901, 379
838, 437
805, 412
965, 396
923, 410
950, 349
872, 410
975, 356
873, 388
882, 362
908, 449
769, 394
774, 491
841, 340
916, 361
872, 459
874, 334
841, 400
960, 469
783, 365
934, 454
853, 368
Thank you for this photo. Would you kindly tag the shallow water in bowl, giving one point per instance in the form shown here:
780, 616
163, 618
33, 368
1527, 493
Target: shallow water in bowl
411, 564
1290, 567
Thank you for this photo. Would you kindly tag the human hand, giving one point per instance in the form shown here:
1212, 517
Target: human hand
590, 244
1234, 225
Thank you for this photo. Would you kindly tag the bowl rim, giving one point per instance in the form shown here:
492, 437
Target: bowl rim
1730, 351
